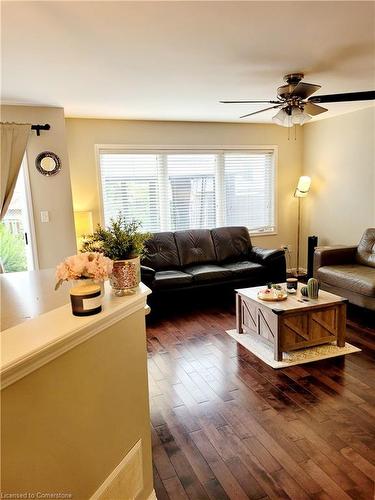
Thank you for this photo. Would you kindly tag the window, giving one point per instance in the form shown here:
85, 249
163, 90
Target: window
16, 236
173, 190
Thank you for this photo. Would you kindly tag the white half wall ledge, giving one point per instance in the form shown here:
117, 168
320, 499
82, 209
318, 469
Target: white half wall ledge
33, 343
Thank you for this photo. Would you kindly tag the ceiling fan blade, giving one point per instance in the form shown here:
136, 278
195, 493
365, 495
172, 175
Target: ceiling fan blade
346, 97
313, 109
248, 102
261, 110
304, 90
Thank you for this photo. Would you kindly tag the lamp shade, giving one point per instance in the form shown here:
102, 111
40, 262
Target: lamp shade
83, 225
282, 118
303, 186
299, 117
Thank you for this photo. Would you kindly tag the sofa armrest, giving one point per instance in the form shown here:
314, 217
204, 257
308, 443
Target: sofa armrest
265, 255
274, 262
326, 256
147, 275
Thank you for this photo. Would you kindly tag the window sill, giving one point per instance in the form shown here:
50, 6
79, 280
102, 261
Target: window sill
271, 233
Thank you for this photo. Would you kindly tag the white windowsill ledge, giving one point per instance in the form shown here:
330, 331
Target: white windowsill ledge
271, 233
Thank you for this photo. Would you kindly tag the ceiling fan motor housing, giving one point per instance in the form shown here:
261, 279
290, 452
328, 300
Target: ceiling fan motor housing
292, 80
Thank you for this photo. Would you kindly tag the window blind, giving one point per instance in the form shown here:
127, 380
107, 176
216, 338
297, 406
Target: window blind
249, 190
191, 184
130, 185
178, 190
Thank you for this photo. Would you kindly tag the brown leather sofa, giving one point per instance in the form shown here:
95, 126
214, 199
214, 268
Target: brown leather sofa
201, 259
349, 271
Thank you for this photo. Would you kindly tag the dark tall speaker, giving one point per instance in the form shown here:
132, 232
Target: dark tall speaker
312, 242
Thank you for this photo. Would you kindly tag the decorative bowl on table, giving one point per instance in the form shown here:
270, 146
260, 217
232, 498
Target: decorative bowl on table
273, 293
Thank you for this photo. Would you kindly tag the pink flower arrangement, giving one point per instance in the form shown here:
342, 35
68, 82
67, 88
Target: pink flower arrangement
82, 266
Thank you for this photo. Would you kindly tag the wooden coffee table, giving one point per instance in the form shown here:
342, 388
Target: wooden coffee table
294, 323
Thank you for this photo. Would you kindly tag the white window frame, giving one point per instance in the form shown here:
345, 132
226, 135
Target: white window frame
189, 149
30, 216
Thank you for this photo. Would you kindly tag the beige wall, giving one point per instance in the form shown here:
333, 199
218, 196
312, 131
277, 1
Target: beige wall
67, 425
83, 134
339, 155
55, 239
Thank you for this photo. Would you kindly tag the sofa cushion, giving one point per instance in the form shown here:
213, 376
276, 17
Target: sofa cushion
366, 248
169, 279
208, 272
245, 268
353, 277
162, 252
231, 243
195, 246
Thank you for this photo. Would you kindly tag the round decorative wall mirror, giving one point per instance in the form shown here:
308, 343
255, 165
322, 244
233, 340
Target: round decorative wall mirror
48, 163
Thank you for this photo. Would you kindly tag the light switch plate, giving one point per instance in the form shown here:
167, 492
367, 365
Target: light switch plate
44, 216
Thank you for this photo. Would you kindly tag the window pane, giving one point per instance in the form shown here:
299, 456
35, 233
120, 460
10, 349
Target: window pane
191, 183
248, 190
12, 230
130, 186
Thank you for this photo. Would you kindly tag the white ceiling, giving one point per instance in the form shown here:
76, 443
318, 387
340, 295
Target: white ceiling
176, 60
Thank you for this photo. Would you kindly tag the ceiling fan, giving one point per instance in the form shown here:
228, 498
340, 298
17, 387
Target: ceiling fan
297, 107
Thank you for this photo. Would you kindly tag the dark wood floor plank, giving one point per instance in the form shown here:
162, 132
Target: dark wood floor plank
289, 485
159, 486
246, 480
161, 460
175, 489
328, 485
320, 445
228, 426
361, 463
231, 486
181, 464
195, 458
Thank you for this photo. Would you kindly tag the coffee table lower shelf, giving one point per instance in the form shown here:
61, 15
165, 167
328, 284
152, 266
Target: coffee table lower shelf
292, 324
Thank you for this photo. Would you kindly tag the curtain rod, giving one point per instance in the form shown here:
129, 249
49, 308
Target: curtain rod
38, 128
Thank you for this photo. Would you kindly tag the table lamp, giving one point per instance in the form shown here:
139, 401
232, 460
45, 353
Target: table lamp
301, 191
83, 225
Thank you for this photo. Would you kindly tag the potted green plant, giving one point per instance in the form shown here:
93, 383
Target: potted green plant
124, 243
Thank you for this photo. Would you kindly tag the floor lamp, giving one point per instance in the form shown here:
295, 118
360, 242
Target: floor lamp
301, 191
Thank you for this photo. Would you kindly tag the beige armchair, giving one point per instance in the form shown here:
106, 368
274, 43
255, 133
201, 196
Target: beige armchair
349, 271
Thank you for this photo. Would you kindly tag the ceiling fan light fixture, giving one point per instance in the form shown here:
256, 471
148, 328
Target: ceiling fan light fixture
283, 118
299, 117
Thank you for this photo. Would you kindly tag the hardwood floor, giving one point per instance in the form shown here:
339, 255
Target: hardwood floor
225, 425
